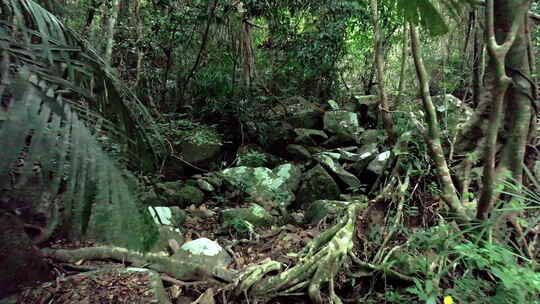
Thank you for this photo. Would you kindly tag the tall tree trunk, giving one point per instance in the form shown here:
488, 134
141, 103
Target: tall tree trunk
379, 66
508, 64
248, 59
478, 61
449, 193
111, 29
403, 64
140, 51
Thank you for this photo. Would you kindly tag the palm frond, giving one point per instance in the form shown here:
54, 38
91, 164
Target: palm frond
55, 95
46, 147
33, 36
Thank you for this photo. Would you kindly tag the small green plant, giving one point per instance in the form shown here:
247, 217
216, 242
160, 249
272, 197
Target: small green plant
181, 131
242, 226
252, 158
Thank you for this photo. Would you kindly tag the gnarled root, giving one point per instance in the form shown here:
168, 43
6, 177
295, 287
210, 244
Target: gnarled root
324, 258
178, 269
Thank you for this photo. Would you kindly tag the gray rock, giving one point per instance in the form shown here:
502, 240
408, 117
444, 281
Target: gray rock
176, 193
298, 152
200, 154
205, 186
170, 216
265, 185
166, 234
323, 208
366, 154
205, 252
291, 174
343, 123
306, 119
309, 136
190, 195
330, 161
255, 214
317, 184
275, 133
377, 165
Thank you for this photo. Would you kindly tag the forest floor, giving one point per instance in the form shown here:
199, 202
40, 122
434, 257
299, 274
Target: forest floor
113, 285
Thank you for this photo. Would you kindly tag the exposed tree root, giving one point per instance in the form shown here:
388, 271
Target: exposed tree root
321, 263
178, 269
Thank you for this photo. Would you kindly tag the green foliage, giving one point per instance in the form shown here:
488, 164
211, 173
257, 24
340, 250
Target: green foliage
56, 97
181, 131
512, 282
252, 158
60, 57
242, 226
62, 147
426, 13
447, 264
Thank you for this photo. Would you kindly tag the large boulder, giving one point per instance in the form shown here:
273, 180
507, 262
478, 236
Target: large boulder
200, 154
317, 184
298, 152
330, 161
272, 134
343, 123
378, 164
265, 185
303, 113
309, 136
323, 208
179, 194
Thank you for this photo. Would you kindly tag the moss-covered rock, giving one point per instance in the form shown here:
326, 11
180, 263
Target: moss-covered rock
330, 161
310, 136
343, 123
317, 184
179, 194
264, 185
298, 153
200, 154
255, 215
191, 195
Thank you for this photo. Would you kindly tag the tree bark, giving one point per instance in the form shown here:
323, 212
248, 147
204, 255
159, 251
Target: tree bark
508, 64
449, 193
113, 16
379, 67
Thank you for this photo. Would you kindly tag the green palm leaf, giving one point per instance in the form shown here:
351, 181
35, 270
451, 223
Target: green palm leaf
33, 36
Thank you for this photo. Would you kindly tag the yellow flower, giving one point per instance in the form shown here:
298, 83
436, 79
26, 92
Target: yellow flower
448, 300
